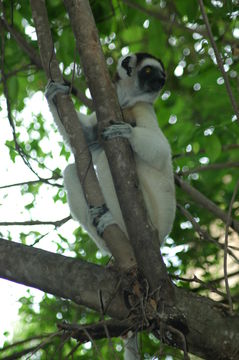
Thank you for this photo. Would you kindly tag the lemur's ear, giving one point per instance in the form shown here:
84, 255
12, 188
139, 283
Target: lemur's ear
126, 65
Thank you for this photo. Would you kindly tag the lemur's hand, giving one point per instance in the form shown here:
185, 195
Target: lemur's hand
54, 88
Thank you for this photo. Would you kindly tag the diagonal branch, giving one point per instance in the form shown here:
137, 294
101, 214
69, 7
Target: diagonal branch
203, 201
120, 249
159, 15
216, 166
61, 276
210, 331
203, 233
142, 237
219, 60
226, 246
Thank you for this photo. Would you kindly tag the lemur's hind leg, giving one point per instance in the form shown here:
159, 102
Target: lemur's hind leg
79, 207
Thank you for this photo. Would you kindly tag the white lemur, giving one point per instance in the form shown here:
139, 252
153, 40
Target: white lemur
139, 79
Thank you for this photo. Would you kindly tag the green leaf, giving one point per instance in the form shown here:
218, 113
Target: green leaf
188, 8
23, 237
12, 152
196, 147
197, 108
13, 89
134, 32
213, 147
29, 206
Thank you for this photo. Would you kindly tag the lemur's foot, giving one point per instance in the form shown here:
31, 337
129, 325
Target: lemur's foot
118, 130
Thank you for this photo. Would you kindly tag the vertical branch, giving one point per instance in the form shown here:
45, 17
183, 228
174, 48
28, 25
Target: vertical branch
120, 248
142, 237
226, 247
219, 60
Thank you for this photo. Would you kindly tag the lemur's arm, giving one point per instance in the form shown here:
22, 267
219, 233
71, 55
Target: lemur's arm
146, 138
88, 122
75, 195
52, 89
151, 146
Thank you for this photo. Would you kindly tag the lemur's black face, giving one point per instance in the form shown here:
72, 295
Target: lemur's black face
140, 77
151, 78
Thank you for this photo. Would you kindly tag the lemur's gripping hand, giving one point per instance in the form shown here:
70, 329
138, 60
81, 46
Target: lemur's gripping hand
54, 88
117, 130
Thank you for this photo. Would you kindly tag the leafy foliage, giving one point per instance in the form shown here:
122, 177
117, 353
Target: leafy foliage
194, 112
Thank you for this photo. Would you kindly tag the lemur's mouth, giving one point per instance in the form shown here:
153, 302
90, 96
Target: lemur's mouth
156, 83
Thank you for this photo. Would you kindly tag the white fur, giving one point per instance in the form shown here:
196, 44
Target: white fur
131, 348
128, 90
153, 164
78, 205
122, 71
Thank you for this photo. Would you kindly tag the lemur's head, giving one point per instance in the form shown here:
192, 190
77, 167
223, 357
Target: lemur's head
139, 77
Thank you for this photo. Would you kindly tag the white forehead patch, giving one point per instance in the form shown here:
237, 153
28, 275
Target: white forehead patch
151, 62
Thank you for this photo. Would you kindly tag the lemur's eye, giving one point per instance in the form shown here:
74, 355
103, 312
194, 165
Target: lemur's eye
147, 69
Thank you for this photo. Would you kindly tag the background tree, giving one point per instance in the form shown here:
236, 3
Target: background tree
199, 115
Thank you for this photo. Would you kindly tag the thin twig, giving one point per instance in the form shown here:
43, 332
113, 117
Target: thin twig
21, 342
183, 339
20, 354
202, 233
44, 343
32, 182
217, 166
18, 148
35, 222
70, 354
202, 151
160, 16
19, 70
204, 285
209, 283
226, 246
219, 59
102, 310
206, 203
35, 58
93, 343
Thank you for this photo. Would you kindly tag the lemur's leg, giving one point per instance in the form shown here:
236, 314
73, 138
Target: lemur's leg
79, 207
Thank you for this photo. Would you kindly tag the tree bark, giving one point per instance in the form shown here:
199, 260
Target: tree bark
143, 237
61, 276
115, 239
209, 330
